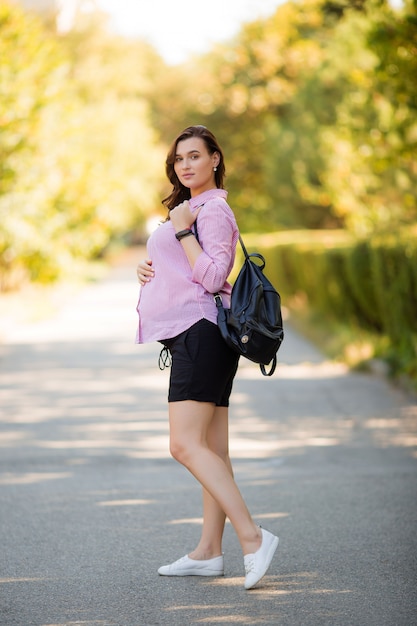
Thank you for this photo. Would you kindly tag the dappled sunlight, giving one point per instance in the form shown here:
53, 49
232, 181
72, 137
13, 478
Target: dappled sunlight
267, 482
398, 431
85, 317
199, 520
253, 449
312, 104
68, 399
90, 399
89, 622
187, 520
199, 607
11, 438
121, 427
151, 447
137, 502
76, 382
316, 406
82, 385
218, 613
233, 618
31, 478
270, 516
254, 437
284, 584
273, 593
100, 409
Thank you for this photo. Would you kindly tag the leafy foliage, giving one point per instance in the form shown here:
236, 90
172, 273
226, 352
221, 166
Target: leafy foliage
80, 163
369, 285
315, 108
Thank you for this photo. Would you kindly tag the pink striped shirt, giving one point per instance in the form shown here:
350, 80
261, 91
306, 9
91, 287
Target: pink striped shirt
178, 296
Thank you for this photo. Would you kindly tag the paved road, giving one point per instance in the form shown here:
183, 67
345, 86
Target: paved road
91, 503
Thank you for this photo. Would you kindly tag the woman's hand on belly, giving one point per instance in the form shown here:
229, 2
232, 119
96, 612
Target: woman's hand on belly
144, 271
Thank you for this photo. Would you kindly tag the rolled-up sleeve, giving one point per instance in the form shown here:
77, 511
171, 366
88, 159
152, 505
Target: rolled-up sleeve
218, 236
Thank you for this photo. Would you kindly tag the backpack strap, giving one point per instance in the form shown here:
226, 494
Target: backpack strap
218, 299
272, 370
245, 252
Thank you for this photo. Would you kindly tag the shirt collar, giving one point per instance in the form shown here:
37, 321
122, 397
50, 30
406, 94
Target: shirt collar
206, 196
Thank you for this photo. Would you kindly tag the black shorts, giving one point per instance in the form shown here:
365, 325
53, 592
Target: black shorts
203, 366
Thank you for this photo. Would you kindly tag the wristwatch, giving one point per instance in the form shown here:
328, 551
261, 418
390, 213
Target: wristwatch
183, 233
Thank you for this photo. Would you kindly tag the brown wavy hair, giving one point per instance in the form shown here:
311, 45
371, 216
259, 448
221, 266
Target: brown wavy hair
180, 193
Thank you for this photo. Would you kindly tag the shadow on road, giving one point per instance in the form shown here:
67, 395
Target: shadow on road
92, 504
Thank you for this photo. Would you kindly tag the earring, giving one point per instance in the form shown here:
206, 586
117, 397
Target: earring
214, 169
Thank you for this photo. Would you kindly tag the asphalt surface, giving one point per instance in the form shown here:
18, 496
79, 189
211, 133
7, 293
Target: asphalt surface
91, 504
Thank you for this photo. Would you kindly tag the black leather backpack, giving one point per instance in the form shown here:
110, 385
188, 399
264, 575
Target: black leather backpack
253, 325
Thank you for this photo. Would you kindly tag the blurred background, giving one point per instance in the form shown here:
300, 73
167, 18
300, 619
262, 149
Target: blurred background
313, 101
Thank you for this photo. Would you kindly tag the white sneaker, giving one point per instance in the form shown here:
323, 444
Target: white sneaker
191, 567
256, 564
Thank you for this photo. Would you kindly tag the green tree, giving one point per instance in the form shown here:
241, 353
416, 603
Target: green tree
371, 173
315, 107
31, 78
80, 164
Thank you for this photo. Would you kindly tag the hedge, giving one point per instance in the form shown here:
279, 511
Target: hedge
370, 284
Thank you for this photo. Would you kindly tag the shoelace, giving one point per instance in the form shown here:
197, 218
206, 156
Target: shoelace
249, 564
164, 358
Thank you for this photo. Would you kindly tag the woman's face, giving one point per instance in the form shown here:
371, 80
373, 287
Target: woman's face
194, 166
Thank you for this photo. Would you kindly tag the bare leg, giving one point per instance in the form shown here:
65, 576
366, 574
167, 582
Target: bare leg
189, 433
210, 544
